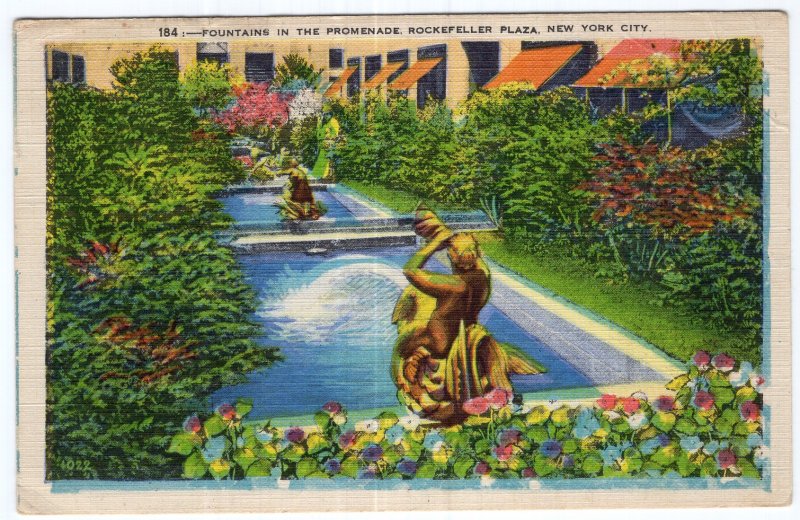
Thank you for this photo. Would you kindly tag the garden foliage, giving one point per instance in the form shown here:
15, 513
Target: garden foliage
559, 179
147, 313
708, 424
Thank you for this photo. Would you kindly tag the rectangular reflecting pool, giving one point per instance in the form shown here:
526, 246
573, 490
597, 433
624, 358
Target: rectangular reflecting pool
331, 317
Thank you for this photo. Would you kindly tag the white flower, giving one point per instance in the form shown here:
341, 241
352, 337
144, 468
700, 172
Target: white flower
611, 415
487, 481
339, 419
306, 103
410, 422
637, 420
640, 396
370, 426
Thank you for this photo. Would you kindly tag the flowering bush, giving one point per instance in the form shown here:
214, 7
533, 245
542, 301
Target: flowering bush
710, 427
256, 111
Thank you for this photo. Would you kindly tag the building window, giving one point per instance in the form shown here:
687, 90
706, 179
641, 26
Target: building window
354, 81
78, 69
335, 58
61, 70
433, 84
372, 64
217, 52
259, 67
484, 62
401, 56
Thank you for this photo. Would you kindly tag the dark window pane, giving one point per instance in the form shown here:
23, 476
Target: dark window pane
78, 69
372, 64
213, 52
484, 61
61, 66
335, 58
401, 56
434, 83
354, 81
259, 67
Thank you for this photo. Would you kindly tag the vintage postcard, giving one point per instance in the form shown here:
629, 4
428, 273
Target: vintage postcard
403, 262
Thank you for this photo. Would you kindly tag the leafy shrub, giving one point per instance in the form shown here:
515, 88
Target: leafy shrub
710, 427
296, 73
147, 313
208, 85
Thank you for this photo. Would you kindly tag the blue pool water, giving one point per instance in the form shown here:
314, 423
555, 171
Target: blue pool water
260, 207
331, 318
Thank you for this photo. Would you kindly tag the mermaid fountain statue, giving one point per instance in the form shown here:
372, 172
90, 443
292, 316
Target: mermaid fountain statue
443, 357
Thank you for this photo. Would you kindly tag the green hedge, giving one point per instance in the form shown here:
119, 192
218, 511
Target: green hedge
147, 313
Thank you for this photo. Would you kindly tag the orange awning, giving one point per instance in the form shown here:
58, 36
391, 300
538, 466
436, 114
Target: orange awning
383, 74
414, 73
633, 52
535, 66
337, 85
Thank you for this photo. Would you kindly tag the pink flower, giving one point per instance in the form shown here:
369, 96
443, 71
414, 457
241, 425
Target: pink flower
704, 400
702, 359
498, 398
528, 473
476, 406
482, 468
295, 435
504, 452
332, 407
723, 362
726, 459
630, 404
192, 424
245, 160
665, 403
607, 401
750, 411
347, 439
227, 411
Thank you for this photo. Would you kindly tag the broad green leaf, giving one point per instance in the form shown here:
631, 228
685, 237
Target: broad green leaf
462, 466
322, 419
316, 443
350, 467
678, 382
214, 426
544, 465
746, 393
748, 469
244, 457
664, 421
259, 468
219, 468
387, 419
306, 466
560, 417
194, 466
592, 464
183, 443
685, 466
686, 426
243, 406
538, 415
537, 434
722, 395
570, 446
427, 470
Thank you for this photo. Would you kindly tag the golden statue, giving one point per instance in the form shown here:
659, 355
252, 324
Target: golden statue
298, 199
443, 357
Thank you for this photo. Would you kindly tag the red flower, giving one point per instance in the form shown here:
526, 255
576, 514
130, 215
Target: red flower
347, 439
607, 401
665, 403
498, 398
476, 406
750, 411
704, 400
723, 362
482, 468
255, 107
503, 452
227, 411
192, 424
630, 404
295, 435
702, 359
726, 459
332, 407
